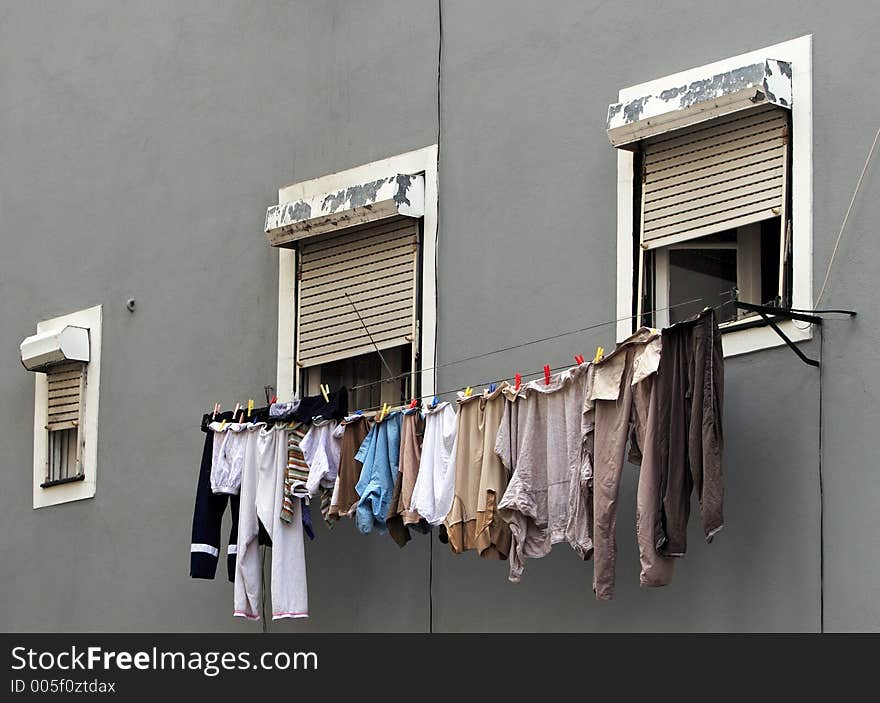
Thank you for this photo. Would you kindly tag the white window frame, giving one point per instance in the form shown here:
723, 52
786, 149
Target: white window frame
419, 161
737, 341
88, 430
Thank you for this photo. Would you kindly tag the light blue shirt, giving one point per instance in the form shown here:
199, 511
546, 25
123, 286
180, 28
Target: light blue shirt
380, 455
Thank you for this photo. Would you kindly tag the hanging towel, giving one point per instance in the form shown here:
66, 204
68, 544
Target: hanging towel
321, 449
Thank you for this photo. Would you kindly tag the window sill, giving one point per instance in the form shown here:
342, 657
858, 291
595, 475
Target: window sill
754, 335
62, 481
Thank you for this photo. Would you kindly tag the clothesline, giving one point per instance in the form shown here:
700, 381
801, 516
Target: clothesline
593, 326
529, 374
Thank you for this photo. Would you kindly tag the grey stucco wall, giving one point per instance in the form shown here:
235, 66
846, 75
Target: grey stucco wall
140, 147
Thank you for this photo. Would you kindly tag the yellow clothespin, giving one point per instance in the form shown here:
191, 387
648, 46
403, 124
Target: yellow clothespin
250, 406
600, 352
325, 391
383, 412
468, 391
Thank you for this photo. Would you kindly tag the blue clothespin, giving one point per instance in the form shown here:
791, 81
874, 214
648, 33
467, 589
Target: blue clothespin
358, 412
435, 401
492, 387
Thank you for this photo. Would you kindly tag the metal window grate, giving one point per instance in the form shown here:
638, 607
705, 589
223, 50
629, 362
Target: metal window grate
66, 386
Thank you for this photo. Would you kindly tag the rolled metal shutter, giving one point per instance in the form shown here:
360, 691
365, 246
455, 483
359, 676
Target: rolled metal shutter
376, 266
720, 174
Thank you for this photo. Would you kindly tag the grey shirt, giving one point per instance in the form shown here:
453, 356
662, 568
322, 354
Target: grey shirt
541, 442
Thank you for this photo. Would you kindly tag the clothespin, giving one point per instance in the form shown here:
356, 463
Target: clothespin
434, 401
468, 391
600, 352
223, 425
216, 410
413, 403
493, 387
518, 381
325, 391
274, 400
579, 359
383, 412
250, 407
235, 411
546, 374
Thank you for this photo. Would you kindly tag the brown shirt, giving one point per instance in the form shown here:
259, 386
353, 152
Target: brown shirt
400, 517
354, 430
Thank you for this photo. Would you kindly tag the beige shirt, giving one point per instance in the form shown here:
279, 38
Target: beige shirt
480, 478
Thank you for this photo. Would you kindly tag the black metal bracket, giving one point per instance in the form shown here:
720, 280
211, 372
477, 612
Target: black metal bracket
766, 311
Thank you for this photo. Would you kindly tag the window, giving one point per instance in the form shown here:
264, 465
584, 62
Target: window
65, 408
714, 193
357, 312
712, 208
66, 397
356, 274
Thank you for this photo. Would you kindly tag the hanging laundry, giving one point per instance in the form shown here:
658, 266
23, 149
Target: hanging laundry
351, 433
400, 517
296, 474
379, 454
313, 406
321, 450
689, 433
283, 412
620, 405
228, 458
480, 478
262, 487
541, 443
435, 483
208, 514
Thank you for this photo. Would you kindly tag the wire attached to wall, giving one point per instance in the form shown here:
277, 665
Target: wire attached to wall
846, 216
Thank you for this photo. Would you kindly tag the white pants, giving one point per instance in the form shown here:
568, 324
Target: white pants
262, 492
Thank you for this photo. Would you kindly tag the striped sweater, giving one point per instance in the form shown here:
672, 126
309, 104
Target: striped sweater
297, 471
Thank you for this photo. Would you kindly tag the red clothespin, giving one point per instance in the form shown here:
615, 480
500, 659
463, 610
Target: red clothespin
517, 381
413, 403
274, 400
579, 359
546, 374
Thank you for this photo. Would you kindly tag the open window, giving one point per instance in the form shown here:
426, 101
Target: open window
714, 193
713, 217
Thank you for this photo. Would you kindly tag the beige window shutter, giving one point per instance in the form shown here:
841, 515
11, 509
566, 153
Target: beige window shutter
66, 384
376, 265
720, 174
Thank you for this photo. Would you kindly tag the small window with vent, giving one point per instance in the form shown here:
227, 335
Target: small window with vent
65, 358
66, 398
